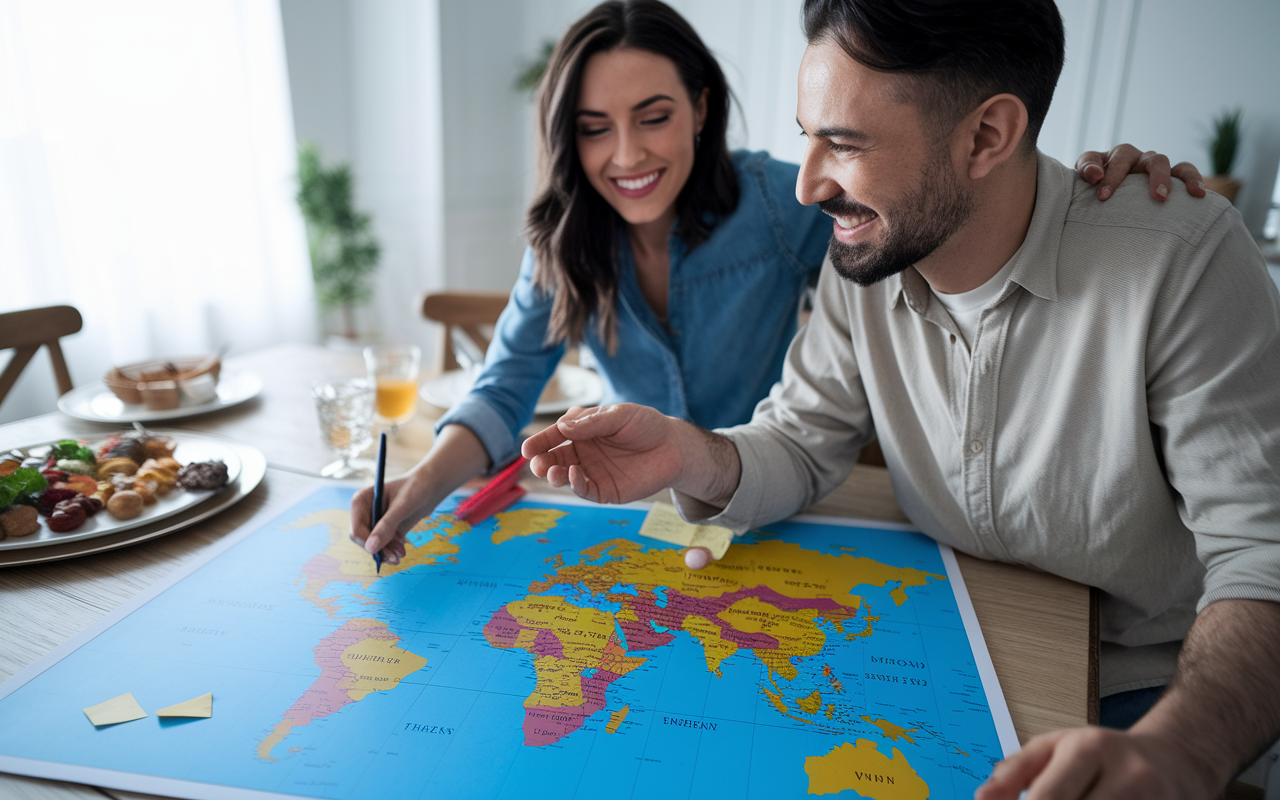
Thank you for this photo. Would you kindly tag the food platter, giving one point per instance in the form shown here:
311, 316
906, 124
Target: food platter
252, 468
570, 386
94, 402
190, 448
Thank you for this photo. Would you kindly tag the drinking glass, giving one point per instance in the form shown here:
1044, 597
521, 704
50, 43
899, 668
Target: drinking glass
345, 409
394, 370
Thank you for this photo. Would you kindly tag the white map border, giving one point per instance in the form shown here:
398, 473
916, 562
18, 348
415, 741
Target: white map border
195, 790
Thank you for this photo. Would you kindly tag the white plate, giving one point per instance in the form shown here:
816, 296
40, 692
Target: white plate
570, 386
96, 403
252, 469
191, 447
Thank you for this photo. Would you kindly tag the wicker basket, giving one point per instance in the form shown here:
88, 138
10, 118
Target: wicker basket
158, 384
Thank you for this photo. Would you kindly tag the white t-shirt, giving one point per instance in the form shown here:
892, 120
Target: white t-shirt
966, 307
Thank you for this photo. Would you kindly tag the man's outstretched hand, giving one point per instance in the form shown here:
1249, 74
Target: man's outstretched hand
611, 454
627, 452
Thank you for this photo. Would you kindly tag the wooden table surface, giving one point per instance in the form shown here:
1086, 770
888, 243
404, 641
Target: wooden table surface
1037, 626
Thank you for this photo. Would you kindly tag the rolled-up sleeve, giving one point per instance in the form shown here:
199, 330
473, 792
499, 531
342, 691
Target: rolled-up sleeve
804, 438
1214, 400
517, 367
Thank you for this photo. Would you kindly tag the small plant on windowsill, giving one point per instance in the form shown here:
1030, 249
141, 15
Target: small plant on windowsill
344, 252
1224, 145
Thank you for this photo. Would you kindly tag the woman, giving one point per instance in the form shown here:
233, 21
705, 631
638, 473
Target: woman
679, 264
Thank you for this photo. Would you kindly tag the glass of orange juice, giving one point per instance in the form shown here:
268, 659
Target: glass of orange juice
394, 371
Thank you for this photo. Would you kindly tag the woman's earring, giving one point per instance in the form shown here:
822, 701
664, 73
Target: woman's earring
697, 141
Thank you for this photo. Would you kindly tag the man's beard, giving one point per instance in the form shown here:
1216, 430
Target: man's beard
922, 221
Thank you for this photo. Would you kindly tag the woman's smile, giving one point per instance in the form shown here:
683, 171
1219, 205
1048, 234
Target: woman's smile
640, 185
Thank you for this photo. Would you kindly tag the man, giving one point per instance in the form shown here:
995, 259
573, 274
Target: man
1090, 393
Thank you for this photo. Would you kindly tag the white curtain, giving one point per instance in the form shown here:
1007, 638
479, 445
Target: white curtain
147, 178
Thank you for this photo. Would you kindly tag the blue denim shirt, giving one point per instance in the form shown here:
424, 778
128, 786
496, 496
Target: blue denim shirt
731, 313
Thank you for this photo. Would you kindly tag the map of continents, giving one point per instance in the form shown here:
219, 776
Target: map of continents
838, 683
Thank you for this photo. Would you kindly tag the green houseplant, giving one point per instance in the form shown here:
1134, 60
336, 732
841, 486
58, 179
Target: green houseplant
344, 251
1224, 145
532, 70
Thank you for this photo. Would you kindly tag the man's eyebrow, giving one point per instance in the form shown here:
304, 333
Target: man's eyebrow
838, 133
648, 101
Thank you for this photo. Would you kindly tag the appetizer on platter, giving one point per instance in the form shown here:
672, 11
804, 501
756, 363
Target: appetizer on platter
70, 481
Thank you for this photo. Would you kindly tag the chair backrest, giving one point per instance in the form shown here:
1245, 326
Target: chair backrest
465, 311
25, 331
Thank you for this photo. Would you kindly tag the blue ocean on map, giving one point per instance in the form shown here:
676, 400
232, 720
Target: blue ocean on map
550, 651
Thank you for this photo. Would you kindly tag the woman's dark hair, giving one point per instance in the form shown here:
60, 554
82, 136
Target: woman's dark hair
959, 52
574, 231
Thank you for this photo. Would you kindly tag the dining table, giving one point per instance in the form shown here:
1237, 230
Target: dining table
1041, 630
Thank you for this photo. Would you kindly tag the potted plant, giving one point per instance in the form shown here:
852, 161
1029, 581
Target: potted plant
344, 252
532, 70
1224, 144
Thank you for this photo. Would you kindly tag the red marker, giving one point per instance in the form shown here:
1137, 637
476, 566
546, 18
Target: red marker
498, 494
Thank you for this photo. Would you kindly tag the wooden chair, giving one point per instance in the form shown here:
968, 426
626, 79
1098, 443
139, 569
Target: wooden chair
25, 331
466, 311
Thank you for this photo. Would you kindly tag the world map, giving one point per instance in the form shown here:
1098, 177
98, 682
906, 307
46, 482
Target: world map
547, 651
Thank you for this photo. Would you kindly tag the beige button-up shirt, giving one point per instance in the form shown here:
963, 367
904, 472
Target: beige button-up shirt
1117, 421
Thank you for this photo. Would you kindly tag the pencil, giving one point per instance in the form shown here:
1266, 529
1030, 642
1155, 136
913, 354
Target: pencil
378, 499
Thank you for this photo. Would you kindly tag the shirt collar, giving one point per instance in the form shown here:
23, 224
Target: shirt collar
1036, 261
912, 286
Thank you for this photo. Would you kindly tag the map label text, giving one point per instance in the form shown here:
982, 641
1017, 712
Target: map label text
415, 727
689, 723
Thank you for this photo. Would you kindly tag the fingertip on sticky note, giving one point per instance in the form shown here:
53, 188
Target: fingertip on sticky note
696, 558
664, 523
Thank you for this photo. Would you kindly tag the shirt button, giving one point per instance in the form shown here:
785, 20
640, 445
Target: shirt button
953, 338
976, 447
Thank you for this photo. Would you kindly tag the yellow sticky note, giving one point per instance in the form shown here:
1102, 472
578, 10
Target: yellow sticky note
201, 706
664, 523
118, 709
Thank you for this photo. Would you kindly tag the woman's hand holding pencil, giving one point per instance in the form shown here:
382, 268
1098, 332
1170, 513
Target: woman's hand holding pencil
456, 457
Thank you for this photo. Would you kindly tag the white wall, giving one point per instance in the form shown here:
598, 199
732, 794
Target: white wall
367, 88
485, 130
1155, 73
318, 51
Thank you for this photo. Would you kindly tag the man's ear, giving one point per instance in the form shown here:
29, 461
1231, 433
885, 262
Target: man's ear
992, 134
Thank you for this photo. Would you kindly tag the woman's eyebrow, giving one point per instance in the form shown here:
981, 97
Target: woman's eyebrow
586, 112
650, 101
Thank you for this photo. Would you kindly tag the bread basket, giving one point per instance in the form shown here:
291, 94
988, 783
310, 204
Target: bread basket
161, 384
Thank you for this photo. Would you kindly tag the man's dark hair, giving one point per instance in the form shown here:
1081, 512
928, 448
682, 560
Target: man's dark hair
959, 52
